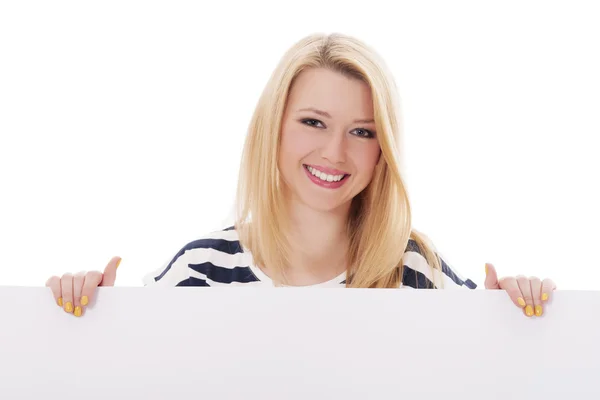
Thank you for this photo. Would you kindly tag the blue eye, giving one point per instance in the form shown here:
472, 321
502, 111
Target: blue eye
312, 122
364, 133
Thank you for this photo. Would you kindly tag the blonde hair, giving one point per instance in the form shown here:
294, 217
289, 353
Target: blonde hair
379, 235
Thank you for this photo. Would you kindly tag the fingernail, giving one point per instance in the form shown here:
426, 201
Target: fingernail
486, 269
84, 300
77, 311
521, 301
69, 307
544, 296
119, 262
529, 311
60, 303
538, 310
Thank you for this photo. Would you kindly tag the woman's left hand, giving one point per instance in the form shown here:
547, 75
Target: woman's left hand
527, 293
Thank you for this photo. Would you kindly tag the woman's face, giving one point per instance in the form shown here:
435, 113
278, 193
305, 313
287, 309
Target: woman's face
329, 146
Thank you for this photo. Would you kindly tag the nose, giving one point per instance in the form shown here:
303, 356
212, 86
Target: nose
334, 149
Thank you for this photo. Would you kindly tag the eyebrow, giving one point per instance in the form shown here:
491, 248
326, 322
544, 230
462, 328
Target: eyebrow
326, 114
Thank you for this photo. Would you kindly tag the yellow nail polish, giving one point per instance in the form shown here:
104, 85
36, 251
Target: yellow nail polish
119, 263
544, 296
529, 311
69, 307
486, 269
538, 310
84, 300
521, 301
60, 303
77, 311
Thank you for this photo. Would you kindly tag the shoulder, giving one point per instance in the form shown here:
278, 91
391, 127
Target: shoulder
224, 241
418, 273
214, 259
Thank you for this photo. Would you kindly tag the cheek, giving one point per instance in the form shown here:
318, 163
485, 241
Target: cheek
366, 157
295, 145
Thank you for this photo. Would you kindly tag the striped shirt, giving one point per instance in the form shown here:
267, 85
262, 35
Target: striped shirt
218, 259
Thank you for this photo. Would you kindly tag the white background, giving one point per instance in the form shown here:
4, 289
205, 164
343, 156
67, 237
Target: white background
122, 123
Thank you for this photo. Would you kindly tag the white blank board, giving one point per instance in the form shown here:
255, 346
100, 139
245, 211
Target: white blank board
293, 343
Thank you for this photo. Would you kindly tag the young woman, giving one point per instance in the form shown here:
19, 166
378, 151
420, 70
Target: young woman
321, 198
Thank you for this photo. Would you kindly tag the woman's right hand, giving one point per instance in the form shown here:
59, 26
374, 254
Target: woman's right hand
74, 292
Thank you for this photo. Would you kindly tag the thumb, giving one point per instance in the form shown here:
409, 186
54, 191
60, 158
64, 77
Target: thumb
110, 272
491, 277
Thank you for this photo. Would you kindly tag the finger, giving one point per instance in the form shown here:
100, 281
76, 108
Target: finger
536, 293
92, 280
77, 286
548, 286
512, 288
491, 277
525, 287
66, 287
110, 272
54, 284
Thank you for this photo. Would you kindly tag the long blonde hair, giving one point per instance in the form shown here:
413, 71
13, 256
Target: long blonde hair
379, 223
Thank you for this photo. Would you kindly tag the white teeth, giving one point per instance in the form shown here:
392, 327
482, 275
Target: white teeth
323, 176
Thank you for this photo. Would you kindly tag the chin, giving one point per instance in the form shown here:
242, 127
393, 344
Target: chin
322, 204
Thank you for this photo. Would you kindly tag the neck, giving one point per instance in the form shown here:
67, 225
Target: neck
319, 244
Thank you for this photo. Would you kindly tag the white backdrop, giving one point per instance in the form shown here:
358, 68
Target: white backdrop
122, 123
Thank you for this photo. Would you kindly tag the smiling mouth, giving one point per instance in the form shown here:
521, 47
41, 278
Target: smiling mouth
323, 176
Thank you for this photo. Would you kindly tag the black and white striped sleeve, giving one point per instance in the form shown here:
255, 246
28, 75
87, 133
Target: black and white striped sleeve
216, 259
418, 274
175, 272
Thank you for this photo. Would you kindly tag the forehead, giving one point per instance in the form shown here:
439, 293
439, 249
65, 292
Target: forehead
332, 92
